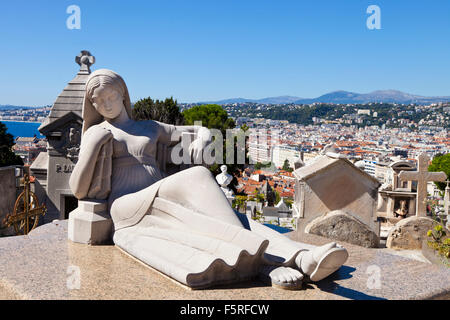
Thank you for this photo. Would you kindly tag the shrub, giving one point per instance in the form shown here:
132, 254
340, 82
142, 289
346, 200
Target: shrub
440, 245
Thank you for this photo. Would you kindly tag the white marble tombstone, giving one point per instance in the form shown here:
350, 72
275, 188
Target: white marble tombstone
181, 224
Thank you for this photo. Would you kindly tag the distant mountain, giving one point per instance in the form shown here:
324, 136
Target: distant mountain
333, 97
227, 101
390, 96
338, 97
279, 100
271, 100
344, 97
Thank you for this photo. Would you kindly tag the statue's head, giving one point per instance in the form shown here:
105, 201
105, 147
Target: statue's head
223, 168
105, 97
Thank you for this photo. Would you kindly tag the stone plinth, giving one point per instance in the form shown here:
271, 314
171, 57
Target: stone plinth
90, 223
40, 266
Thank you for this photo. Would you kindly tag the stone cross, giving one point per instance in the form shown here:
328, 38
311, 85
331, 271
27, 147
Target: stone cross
85, 59
422, 176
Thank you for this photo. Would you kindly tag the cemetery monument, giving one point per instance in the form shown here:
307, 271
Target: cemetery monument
410, 233
182, 224
330, 191
62, 128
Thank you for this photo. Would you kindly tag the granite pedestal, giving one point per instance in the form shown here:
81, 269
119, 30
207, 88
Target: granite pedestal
44, 265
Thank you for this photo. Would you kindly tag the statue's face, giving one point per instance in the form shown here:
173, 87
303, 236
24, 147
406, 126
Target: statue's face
223, 168
107, 101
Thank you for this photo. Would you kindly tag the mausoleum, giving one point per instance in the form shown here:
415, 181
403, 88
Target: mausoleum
397, 195
62, 128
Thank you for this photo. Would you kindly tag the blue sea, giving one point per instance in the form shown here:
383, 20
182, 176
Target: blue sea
23, 129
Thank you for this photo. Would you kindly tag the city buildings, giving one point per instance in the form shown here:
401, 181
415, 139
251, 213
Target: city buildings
28, 148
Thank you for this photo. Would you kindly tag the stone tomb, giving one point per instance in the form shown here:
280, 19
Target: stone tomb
330, 183
62, 129
395, 192
410, 233
422, 176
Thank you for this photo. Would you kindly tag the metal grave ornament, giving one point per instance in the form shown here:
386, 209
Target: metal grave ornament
27, 211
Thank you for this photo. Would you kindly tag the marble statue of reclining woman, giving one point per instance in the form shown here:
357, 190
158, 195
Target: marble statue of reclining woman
182, 224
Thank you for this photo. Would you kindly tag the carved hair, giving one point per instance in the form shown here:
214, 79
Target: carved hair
96, 79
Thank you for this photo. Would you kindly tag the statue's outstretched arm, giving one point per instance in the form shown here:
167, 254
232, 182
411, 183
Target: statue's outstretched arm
171, 135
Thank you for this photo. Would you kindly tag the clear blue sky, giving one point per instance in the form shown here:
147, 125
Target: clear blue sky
197, 50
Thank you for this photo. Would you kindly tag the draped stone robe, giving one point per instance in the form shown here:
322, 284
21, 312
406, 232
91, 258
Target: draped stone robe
191, 247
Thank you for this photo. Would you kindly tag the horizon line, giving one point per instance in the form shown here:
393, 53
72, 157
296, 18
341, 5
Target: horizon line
257, 99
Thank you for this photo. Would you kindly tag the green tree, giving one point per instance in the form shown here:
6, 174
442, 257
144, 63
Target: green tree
214, 116
441, 163
287, 166
166, 111
289, 203
277, 197
7, 156
240, 202
258, 165
245, 127
211, 116
259, 197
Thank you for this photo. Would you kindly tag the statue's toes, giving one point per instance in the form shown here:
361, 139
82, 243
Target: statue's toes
282, 277
295, 275
289, 277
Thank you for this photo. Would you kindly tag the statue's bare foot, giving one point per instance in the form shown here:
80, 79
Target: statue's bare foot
282, 277
322, 261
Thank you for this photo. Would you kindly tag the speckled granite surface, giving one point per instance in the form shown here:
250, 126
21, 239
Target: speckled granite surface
36, 267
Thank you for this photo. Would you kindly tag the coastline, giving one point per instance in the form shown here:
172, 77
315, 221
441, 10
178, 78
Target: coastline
23, 128
21, 121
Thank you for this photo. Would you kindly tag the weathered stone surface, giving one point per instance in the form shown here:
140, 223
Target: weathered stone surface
38, 266
330, 183
341, 226
7, 197
409, 233
422, 176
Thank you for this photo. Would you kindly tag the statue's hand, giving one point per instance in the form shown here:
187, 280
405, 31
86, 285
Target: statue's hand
204, 134
198, 145
96, 136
